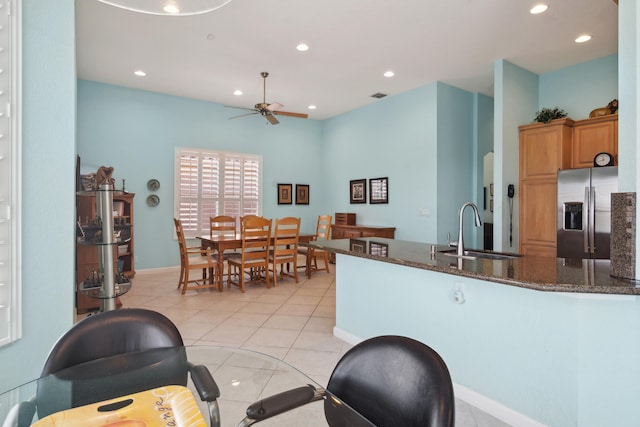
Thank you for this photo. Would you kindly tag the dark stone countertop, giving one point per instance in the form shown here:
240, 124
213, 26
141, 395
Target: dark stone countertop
538, 273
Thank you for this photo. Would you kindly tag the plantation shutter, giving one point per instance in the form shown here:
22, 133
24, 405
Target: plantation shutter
215, 183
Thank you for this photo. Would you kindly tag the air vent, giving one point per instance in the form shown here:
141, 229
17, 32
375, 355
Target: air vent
378, 95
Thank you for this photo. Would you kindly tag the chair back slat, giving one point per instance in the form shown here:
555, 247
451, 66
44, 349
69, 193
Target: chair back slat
323, 228
256, 239
285, 238
222, 226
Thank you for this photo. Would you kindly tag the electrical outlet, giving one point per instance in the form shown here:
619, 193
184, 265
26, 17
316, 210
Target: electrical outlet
424, 212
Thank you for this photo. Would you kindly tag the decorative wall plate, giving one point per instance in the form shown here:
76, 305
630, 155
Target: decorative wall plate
153, 185
153, 200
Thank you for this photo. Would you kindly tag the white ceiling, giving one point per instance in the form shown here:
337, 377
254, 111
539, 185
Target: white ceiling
352, 43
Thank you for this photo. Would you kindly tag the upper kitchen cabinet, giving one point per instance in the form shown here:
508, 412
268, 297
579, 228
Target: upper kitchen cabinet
593, 136
545, 148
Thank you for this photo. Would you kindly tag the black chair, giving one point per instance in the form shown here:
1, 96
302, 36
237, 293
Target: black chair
390, 380
136, 349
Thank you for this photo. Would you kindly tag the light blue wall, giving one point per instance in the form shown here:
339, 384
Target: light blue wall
137, 132
394, 137
48, 180
581, 88
455, 121
629, 117
516, 98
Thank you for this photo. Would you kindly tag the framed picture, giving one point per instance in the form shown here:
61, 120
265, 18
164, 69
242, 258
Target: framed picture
302, 194
491, 189
491, 205
379, 190
359, 246
358, 191
284, 194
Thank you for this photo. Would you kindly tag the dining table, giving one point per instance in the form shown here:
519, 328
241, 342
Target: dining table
224, 244
244, 377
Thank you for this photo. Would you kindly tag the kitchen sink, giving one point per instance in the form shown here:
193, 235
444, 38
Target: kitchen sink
473, 254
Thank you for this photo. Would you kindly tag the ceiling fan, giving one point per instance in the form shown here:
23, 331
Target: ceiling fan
268, 111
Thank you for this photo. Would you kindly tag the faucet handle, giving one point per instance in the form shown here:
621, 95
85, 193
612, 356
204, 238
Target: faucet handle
452, 244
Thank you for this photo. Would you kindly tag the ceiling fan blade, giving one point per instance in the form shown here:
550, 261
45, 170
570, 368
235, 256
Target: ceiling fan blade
240, 108
275, 106
290, 114
271, 119
243, 115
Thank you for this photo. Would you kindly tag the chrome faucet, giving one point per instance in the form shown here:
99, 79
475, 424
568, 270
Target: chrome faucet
460, 245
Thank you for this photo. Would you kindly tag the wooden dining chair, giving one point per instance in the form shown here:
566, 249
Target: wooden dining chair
222, 226
285, 247
323, 232
253, 260
195, 258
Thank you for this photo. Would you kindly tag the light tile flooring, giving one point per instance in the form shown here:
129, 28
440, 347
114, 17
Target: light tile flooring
293, 322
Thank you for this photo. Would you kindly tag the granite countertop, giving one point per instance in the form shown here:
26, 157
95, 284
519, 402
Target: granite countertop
539, 273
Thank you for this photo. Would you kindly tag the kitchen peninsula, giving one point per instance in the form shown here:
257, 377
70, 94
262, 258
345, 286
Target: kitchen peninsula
532, 340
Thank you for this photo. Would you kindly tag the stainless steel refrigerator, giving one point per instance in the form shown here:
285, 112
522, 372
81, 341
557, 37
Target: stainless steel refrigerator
584, 212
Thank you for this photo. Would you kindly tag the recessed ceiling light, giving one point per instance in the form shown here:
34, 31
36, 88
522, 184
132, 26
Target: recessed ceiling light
539, 8
237, 92
139, 73
303, 47
311, 107
389, 73
583, 38
171, 7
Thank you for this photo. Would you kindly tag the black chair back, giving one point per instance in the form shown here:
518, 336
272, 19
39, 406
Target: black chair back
135, 349
393, 381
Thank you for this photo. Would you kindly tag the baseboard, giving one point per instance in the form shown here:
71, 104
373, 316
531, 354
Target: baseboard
346, 336
491, 407
485, 404
157, 270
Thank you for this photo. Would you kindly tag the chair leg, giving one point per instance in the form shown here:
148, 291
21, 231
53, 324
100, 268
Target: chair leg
275, 273
181, 279
186, 280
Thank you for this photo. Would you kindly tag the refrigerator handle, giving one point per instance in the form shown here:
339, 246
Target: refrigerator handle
586, 213
592, 220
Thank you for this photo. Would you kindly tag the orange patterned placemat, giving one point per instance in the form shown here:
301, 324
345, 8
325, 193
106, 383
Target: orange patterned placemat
170, 406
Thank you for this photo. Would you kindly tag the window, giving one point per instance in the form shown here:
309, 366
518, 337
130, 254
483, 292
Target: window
10, 184
209, 183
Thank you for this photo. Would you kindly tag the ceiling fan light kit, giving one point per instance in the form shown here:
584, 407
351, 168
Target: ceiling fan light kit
169, 7
268, 110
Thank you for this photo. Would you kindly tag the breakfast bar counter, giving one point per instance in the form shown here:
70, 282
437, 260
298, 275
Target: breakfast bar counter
537, 273
533, 341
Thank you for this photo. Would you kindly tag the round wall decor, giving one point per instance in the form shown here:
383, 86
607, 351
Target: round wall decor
153, 200
153, 185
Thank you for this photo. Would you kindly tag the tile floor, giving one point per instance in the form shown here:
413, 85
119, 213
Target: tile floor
293, 322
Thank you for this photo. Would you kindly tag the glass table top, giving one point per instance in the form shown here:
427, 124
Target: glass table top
243, 377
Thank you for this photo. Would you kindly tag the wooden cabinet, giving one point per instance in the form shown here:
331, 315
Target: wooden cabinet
87, 254
593, 136
355, 231
544, 149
